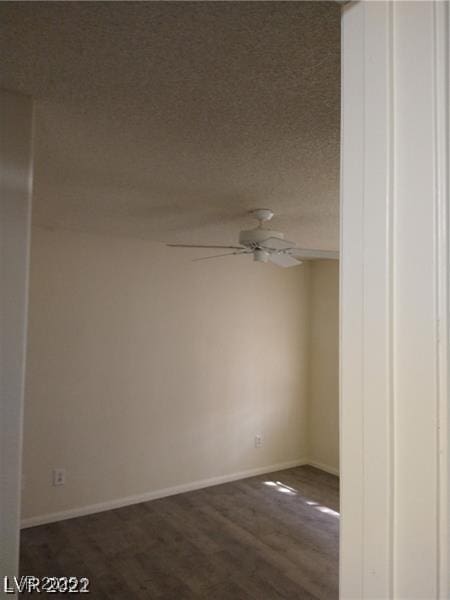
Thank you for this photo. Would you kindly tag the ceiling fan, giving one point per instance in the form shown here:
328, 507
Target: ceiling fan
265, 244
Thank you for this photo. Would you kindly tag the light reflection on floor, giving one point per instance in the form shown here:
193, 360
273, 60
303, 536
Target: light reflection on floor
286, 489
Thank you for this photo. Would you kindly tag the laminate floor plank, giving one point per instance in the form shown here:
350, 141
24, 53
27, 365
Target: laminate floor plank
270, 537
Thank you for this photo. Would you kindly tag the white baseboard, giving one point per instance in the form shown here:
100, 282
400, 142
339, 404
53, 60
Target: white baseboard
322, 466
161, 493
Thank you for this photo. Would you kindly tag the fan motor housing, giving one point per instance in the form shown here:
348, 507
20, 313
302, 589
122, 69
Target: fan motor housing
252, 238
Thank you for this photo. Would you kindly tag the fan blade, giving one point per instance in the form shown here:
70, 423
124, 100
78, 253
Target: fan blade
274, 243
219, 255
284, 260
313, 254
203, 246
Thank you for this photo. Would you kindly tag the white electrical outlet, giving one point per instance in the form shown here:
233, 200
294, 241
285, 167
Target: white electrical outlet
59, 477
258, 440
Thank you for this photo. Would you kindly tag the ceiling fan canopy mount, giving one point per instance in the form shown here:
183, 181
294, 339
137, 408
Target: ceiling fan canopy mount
262, 214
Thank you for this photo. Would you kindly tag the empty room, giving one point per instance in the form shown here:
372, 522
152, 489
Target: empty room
181, 407
224, 300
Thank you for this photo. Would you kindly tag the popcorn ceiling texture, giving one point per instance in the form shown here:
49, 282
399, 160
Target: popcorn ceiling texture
169, 120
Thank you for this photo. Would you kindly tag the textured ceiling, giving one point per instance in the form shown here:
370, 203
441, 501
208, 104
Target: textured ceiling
169, 120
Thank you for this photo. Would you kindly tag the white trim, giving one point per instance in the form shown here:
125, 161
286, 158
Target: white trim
366, 302
323, 467
394, 301
155, 494
16, 129
442, 170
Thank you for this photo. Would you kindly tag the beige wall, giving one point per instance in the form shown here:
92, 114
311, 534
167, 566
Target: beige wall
323, 421
146, 370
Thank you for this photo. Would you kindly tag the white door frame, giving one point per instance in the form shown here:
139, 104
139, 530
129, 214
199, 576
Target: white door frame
394, 300
15, 217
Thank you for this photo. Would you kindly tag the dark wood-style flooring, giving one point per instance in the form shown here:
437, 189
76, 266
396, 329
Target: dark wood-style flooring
264, 538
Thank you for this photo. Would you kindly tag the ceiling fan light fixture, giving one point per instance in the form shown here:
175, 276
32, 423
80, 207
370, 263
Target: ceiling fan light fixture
260, 256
